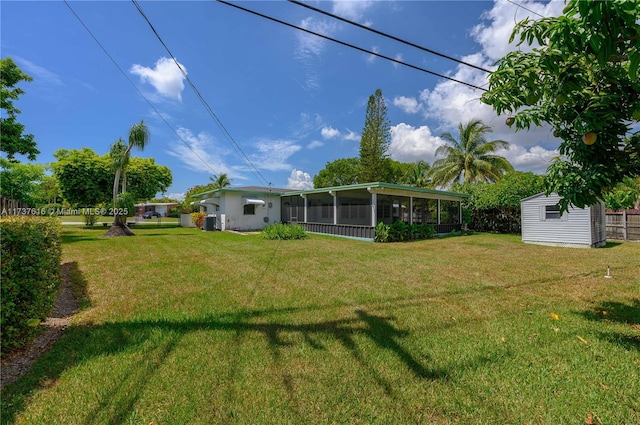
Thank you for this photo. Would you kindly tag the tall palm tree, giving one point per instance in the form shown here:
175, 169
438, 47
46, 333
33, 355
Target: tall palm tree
418, 174
120, 154
471, 158
220, 181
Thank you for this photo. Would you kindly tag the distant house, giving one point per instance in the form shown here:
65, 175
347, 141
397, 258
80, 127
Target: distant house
350, 211
161, 208
542, 223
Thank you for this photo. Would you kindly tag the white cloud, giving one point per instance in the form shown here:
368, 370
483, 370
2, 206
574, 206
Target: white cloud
165, 77
371, 58
329, 132
410, 144
408, 104
332, 133
37, 72
535, 159
399, 57
299, 180
353, 10
309, 48
315, 144
494, 36
450, 103
199, 152
177, 196
351, 136
272, 155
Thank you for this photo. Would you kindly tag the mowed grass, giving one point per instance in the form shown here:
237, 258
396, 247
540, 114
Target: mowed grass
192, 327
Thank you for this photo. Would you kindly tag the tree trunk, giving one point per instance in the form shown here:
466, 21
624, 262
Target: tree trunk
118, 230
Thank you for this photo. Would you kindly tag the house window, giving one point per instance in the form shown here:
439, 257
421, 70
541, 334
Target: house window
250, 209
552, 212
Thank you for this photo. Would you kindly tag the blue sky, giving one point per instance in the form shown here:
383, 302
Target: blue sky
289, 101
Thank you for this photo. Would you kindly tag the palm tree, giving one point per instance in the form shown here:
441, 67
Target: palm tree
220, 181
120, 154
471, 158
418, 174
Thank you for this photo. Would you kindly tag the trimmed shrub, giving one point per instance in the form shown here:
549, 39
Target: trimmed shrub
400, 231
197, 218
279, 231
30, 272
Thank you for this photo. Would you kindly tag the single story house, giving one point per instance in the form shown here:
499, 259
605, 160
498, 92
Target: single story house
543, 224
241, 208
351, 210
161, 208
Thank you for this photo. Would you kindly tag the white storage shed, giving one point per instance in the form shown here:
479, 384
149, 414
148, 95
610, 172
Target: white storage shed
543, 224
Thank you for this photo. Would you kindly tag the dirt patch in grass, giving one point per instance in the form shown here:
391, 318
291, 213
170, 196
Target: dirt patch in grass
66, 305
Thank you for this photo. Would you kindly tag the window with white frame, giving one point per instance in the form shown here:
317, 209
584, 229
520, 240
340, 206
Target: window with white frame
552, 212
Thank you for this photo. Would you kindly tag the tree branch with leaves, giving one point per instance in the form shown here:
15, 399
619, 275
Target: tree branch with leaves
583, 81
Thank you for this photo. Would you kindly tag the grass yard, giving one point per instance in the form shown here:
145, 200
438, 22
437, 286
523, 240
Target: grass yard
191, 327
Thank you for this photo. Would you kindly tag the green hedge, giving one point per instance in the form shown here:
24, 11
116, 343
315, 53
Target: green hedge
30, 276
280, 231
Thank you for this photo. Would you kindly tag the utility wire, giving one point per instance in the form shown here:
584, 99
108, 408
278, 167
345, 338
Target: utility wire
529, 10
392, 37
213, 115
106, 52
349, 45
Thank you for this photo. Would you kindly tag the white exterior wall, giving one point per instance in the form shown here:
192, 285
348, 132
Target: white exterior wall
230, 214
573, 229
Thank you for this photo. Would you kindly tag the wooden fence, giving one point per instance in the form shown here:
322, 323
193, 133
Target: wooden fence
11, 206
623, 225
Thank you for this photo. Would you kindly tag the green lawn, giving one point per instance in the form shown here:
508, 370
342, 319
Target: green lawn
192, 327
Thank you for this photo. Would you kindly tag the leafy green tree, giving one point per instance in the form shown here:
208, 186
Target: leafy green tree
625, 195
48, 191
189, 196
583, 81
340, 172
471, 158
13, 140
146, 178
495, 207
375, 141
84, 176
221, 180
20, 181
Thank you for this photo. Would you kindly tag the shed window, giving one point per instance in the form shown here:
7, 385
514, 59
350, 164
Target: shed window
552, 212
250, 209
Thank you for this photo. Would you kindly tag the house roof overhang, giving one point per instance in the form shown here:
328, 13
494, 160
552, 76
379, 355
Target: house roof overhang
388, 189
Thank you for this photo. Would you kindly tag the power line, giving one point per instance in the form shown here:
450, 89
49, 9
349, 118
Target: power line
529, 10
106, 52
213, 115
343, 43
392, 37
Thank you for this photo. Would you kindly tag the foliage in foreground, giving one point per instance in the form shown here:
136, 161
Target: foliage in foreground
583, 81
280, 231
30, 275
400, 231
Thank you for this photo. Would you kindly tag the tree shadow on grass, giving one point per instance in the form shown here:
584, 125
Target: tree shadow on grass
618, 312
158, 339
